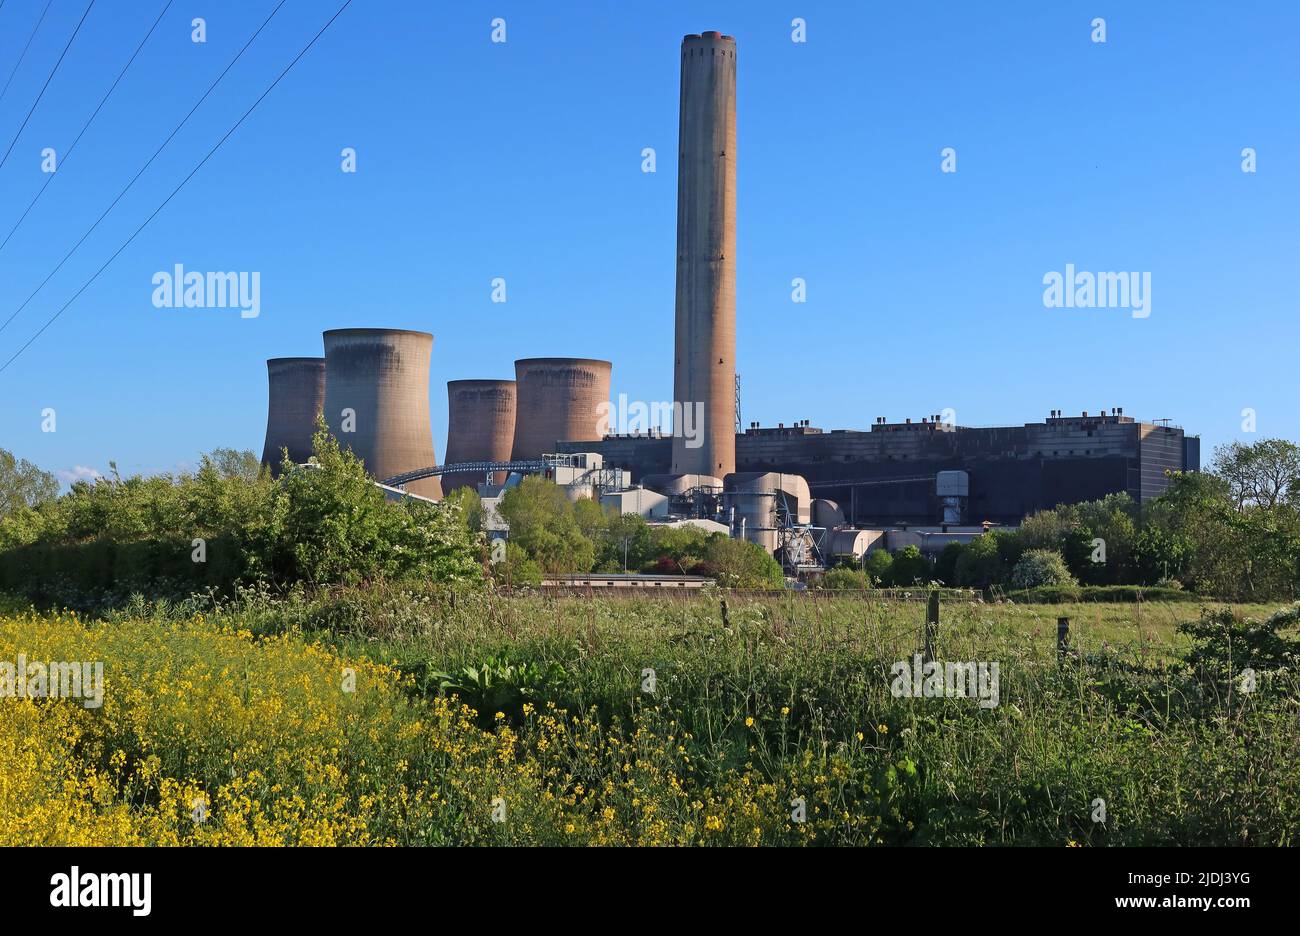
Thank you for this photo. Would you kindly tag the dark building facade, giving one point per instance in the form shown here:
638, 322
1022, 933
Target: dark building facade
886, 475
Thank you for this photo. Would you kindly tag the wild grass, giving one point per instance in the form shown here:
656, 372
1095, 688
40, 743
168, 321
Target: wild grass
663, 721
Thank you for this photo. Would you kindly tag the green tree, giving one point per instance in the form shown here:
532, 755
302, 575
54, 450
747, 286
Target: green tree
516, 568
945, 566
1247, 552
330, 523
677, 549
740, 564
1046, 529
470, 505
1159, 555
910, 568
1113, 521
629, 544
233, 463
543, 523
592, 519
1263, 474
879, 564
23, 485
980, 564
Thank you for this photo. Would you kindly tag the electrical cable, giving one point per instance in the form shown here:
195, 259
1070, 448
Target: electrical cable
157, 210
86, 126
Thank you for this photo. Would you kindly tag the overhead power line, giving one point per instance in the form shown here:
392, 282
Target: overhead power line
23, 55
48, 79
63, 160
144, 168
193, 172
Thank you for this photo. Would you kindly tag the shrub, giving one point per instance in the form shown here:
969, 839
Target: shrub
741, 564
842, 578
1065, 594
945, 566
909, 568
1040, 567
980, 564
230, 524
879, 564
1224, 646
517, 568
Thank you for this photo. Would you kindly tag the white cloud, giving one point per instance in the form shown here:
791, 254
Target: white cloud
77, 473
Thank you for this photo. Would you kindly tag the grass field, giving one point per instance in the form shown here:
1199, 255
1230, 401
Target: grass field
391, 717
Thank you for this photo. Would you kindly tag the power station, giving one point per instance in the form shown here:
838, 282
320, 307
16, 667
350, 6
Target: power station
802, 493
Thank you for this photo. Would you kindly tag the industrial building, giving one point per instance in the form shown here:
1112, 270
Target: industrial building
889, 474
803, 493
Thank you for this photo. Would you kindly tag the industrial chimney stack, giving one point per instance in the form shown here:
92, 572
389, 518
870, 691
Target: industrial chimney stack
377, 400
705, 365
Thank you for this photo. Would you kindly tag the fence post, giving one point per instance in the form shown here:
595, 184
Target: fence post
931, 624
1062, 638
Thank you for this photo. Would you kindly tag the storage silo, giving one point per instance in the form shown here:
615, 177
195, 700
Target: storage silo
480, 427
759, 503
296, 394
558, 399
377, 400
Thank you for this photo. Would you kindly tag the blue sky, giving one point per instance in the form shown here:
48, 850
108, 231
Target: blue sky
522, 160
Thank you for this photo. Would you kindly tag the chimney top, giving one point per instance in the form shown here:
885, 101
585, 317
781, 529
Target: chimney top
711, 35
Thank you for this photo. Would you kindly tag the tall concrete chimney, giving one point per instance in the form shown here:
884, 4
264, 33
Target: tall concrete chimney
704, 370
297, 392
380, 376
480, 427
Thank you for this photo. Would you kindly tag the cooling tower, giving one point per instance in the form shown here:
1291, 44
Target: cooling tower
377, 400
704, 370
480, 427
297, 392
558, 399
